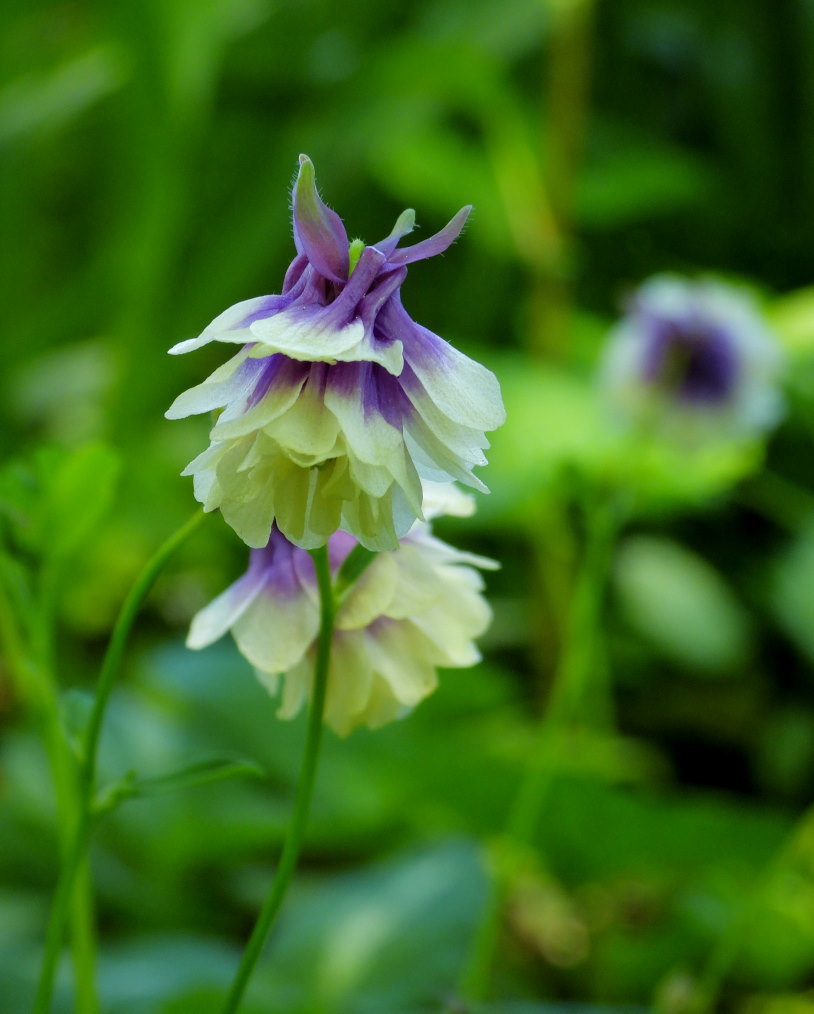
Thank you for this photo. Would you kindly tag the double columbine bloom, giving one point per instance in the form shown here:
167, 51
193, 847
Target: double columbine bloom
414, 608
696, 357
340, 420
338, 403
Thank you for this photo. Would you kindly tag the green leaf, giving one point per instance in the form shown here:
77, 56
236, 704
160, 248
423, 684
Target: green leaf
792, 589
79, 496
681, 605
792, 317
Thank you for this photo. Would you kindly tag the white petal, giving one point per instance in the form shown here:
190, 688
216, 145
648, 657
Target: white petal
434, 460
399, 655
275, 632
371, 594
296, 688
226, 327
445, 498
418, 587
238, 421
306, 334
214, 620
306, 428
463, 390
218, 390
349, 683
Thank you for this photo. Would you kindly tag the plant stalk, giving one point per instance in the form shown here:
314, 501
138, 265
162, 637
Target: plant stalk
293, 842
74, 876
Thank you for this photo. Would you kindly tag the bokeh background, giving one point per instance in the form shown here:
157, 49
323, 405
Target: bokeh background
148, 147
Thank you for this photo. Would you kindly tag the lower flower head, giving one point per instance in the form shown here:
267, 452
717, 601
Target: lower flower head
693, 356
413, 609
338, 404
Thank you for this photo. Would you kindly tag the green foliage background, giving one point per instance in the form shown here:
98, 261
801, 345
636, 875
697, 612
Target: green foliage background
146, 148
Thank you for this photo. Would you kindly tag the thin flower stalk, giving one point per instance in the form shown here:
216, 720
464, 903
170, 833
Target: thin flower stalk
74, 859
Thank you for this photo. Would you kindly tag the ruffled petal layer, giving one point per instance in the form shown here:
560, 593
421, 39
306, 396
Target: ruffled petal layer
411, 610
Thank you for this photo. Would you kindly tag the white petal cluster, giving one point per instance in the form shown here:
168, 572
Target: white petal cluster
413, 609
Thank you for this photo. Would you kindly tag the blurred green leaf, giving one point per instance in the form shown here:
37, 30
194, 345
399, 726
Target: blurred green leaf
388, 938
792, 317
682, 605
792, 590
48, 100
55, 500
79, 495
627, 181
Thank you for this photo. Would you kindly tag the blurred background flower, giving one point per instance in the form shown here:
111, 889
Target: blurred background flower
145, 150
693, 359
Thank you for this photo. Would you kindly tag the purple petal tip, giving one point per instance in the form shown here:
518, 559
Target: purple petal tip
318, 231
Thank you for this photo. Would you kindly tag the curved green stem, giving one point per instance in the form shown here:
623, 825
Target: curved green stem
578, 664
302, 805
75, 852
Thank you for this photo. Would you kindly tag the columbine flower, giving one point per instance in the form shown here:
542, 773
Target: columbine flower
413, 608
694, 356
337, 401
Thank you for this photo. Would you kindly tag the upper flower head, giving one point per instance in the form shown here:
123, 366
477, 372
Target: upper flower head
337, 401
414, 608
694, 354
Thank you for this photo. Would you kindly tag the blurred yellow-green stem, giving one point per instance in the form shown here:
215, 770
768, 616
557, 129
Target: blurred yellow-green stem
566, 108
580, 665
798, 848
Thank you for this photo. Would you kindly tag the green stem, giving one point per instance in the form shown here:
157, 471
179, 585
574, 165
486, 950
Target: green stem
578, 663
793, 854
73, 879
302, 805
65, 779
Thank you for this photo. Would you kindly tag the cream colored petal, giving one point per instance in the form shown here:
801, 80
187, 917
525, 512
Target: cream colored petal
226, 327
349, 684
437, 552
460, 616
371, 594
306, 427
434, 459
417, 587
277, 629
445, 498
463, 441
464, 390
240, 421
225, 384
297, 684
212, 622
399, 654
305, 334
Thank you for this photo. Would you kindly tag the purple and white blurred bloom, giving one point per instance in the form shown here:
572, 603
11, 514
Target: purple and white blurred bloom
694, 357
337, 403
414, 608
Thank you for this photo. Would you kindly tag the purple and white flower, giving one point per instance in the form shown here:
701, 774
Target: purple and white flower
694, 357
337, 403
413, 608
